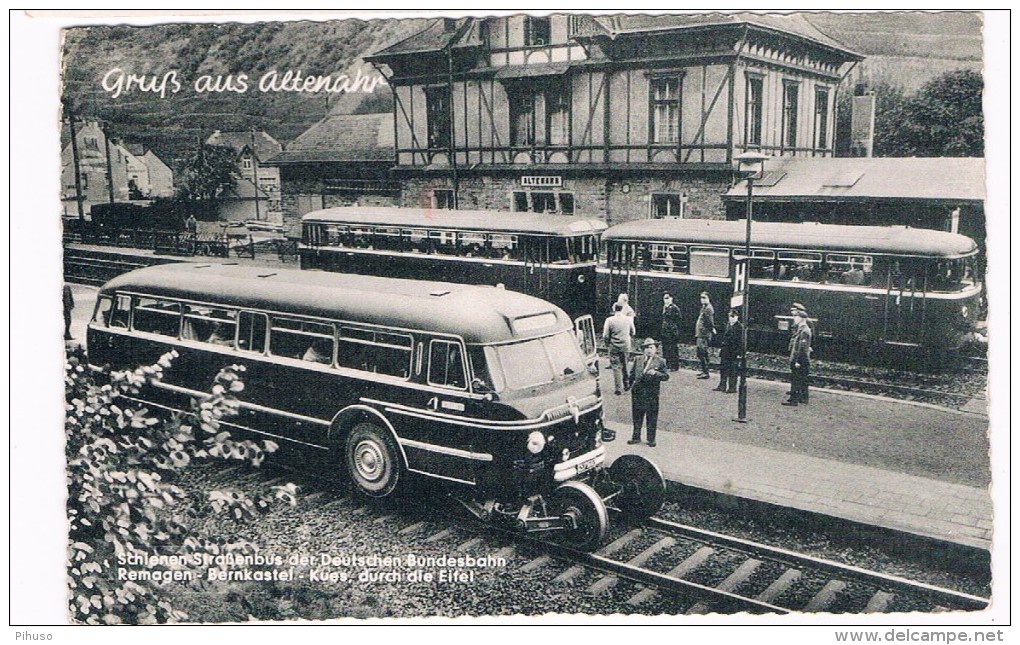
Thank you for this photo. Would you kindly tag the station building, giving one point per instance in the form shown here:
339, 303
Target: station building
619, 117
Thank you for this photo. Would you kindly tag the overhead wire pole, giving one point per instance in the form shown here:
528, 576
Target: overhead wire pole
255, 171
750, 165
109, 162
75, 159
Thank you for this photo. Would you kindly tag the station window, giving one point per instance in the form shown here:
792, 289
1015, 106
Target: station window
209, 324
666, 205
303, 339
535, 201
791, 107
446, 364
157, 316
442, 198
437, 116
375, 351
537, 30
665, 105
753, 110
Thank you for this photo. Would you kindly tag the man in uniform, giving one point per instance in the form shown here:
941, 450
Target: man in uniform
704, 329
800, 357
729, 355
670, 332
649, 371
616, 334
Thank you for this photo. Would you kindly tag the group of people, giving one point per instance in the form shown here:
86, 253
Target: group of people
643, 376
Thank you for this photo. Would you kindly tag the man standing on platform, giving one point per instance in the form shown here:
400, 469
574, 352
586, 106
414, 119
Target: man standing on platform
729, 355
704, 329
800, 358
616, 334
670, 332
649, 371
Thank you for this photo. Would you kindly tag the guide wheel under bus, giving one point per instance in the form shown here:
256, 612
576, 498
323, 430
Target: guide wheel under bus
642, 488
583, 508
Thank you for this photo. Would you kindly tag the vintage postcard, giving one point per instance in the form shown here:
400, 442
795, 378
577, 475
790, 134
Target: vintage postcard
628, 318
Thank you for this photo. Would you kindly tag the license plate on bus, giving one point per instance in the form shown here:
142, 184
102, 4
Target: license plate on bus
585, 466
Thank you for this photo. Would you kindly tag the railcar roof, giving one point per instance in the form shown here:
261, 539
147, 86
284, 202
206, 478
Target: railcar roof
478, 314
496, 221
827, 237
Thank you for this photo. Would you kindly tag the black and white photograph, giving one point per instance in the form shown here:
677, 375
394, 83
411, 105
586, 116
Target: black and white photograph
484, 317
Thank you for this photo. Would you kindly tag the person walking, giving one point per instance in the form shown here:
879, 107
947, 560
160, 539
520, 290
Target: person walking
68, 308
649, 372
704, 329
670, 332
624, 301
616, 334
800, 359
729, 355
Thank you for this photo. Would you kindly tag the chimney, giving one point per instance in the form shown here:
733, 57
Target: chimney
862, 124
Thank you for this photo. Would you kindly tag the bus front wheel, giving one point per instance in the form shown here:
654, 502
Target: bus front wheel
373, 461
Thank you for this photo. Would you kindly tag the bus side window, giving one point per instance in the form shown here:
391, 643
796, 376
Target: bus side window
446, 365
155, 316
251, 331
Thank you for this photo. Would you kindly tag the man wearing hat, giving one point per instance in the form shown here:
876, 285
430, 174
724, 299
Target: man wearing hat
800, 356
649, 371
729, 355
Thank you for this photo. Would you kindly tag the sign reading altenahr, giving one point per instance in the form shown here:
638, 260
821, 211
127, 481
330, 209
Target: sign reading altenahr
542, 181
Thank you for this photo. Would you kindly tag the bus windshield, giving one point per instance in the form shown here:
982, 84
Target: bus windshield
533, 362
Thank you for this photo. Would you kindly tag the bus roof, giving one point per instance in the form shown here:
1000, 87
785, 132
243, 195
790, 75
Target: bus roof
477, 314
897, 240
434, 218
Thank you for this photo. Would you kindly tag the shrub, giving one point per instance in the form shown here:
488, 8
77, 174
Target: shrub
122, 505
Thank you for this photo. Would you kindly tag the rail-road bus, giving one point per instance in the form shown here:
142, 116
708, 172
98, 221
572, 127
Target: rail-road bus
480, 387
861, 285
548, 256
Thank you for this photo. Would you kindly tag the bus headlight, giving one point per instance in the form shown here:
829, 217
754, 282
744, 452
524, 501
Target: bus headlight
964, 311
580, 277
536, 442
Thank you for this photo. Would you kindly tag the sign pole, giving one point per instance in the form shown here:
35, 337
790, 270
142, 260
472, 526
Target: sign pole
742, 387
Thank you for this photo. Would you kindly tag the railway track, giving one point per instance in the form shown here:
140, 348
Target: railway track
660, 564
875, 387
85, 269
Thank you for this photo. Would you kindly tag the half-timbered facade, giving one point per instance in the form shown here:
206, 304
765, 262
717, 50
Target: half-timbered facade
621, 117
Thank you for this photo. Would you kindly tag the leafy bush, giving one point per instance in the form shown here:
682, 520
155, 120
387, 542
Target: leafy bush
122, 461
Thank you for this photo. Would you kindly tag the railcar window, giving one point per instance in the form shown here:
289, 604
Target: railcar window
849, 269
374, 351
952, 275
387, 239
762, 265
209, 324
472, 244
251, 331
710, 261
558, 251
157, 316
801, 266
446, 364
303, 339
669, 258
443, 242
505, 247
418, 239
583, 248
334, 235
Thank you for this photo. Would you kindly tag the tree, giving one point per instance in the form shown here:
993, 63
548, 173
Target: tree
943, 119
208, 174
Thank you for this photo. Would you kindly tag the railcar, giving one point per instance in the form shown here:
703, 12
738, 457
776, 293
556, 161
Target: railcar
480, 387
550, 257
888, 286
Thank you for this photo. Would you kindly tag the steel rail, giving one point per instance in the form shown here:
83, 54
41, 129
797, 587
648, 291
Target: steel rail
845, 571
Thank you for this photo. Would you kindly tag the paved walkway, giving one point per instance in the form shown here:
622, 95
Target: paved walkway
867, 459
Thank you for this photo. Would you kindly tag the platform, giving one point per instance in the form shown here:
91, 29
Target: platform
914, 468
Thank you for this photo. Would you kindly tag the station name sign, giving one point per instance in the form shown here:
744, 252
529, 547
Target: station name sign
541, 181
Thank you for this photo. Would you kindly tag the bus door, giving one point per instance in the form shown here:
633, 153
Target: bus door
536, 266
584, 330
623, 265
905, 305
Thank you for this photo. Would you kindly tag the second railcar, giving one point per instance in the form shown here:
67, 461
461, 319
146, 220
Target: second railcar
871, 285
550, 257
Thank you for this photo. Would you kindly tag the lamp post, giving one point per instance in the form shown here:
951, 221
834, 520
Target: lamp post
750, 166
